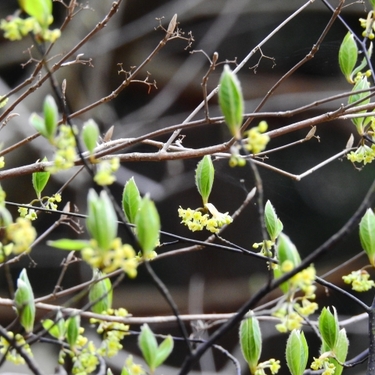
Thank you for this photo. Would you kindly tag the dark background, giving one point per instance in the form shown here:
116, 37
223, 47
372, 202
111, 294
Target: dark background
311, 210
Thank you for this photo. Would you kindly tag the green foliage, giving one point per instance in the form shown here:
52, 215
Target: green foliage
24, 302
367, 234
101, 293
297, 352
274, 225
131, 200
90, 135
329, 327
348, 55
231, 101
251, 341
39, 9
102, 220
361, 84
72, 330
153, 354
147, 223
204, 177
40, 180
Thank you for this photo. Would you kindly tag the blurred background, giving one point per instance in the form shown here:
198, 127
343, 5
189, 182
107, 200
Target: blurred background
311, 210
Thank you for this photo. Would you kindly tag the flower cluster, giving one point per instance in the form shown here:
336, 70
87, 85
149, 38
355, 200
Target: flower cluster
212, 221
256, 140
15, 28
105, 170
10, 352
363, 154
295, 309
22, 234
47, 202
132, 368
272, 364
323, 363
113, 333
118, 256
368, 26
360, 280
66, 154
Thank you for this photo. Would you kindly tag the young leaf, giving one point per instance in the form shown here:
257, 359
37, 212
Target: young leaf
24, 302
164, 350
41, 10
55, 328
251, 341
348, 55
102, 220
286, 250
204, 177
367, 234
231, 101
147, 223
297, 352
72, 330
50, 117
67, 244
38, 123
273, 224
131, 200
40, 180
341, 351
362, 84
90, 135
329, 327
149, 346
101, 293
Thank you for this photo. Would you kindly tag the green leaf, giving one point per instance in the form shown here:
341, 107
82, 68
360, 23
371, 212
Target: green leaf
348, 55
329, 327
55, 329
38, 123
102, 220
164, 350
131, 200
147, 223
24, 302
40, 180
101, 292
90, 135
67, 244
51, 114
367, 234
273, 224
341, 351
149, 346
251, 341
286, 250
41, 10
231, 101
204, 177
362, 84
72, 330
297, 352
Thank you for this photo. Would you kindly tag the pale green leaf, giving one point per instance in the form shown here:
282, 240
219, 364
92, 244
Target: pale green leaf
329, 327
131, 200
367, 234
273, 224
148, 345
348, 55
297, 352
164, 350
204, 177
67, 244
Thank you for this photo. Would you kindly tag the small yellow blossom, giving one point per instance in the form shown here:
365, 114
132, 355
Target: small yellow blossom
256, 140
360, 280
22, 234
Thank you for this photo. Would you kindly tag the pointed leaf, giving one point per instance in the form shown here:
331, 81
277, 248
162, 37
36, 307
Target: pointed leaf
231, 101
90, 135
273, 224
251, 341
67, 244
148, 345
40, 180
204, 177
341, 351
131, 200
297, 352
72, 330
367, 235
329, 327
41, 10
38, 123
348, 55
102, 293
147, 223
164, 350
51, 114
